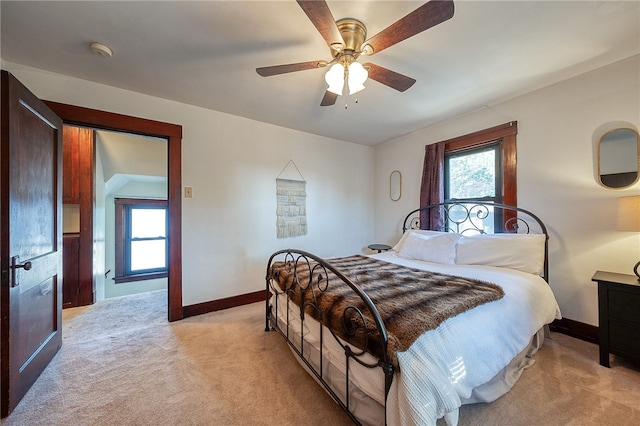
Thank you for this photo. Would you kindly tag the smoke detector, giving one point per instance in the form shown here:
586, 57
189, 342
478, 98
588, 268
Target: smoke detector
101, 49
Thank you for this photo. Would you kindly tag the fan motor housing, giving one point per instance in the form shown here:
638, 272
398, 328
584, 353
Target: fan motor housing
353, 33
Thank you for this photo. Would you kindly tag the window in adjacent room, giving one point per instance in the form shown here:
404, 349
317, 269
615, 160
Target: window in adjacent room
141, 239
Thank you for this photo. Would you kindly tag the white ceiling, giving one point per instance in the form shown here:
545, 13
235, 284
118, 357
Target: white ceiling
205, 53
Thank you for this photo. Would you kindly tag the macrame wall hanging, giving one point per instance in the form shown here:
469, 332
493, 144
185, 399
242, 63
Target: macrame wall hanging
291, 213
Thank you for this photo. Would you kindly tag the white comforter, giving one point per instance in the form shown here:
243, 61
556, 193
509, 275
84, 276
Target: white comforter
441, 369
444, 367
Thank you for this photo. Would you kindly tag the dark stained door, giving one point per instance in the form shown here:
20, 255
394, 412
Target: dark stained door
30, 240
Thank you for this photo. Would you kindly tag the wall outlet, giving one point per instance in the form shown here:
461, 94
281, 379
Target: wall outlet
188, 192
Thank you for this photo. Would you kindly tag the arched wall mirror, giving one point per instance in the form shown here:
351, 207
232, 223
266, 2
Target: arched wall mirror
618, 158
395, 185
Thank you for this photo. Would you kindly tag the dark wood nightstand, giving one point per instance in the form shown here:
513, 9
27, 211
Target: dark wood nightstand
379, 247
618, 315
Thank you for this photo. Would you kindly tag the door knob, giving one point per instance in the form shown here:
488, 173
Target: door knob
26, 266
15, 266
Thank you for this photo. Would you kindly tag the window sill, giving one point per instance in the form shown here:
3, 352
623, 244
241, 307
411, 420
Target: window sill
140, 277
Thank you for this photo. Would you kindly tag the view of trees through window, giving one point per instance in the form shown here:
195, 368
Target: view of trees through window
471, 174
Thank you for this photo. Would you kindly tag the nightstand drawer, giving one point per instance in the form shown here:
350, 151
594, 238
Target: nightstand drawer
624, 338
624, 305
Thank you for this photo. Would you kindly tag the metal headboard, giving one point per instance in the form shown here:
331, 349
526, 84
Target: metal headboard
479, 217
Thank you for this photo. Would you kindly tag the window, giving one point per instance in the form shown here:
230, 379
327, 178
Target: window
482, 165
141, 239
474, 173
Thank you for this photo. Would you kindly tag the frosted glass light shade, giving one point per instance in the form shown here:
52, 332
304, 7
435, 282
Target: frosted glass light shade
335, 79
357, 76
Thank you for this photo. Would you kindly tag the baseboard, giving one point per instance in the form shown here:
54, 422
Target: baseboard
217, 305
576, 329
566, 326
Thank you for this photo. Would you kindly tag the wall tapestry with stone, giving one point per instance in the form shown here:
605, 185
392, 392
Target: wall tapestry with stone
292, 210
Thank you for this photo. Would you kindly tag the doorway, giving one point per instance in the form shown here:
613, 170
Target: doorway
172, 133
130, 169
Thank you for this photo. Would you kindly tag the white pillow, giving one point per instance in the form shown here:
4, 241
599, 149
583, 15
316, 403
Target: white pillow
439, 248
524, 252
402, 239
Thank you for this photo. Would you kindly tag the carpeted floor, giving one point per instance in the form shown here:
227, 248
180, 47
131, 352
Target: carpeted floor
566, 386
122, 363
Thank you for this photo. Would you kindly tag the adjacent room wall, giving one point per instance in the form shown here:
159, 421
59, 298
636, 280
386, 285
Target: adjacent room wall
229, 225
99, 226
558, 130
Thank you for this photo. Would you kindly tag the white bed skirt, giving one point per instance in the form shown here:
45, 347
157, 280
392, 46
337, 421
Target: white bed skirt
366, 388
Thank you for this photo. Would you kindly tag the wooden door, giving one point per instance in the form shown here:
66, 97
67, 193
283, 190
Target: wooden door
30, 240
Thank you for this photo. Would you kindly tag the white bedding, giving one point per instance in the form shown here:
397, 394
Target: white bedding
442, 368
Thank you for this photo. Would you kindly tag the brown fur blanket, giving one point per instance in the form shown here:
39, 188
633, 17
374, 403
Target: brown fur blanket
410, 301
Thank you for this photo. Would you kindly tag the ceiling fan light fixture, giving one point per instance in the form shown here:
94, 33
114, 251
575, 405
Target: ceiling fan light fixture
357, 76
354, 43
335, 78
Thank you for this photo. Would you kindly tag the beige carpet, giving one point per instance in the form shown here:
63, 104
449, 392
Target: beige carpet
122, 364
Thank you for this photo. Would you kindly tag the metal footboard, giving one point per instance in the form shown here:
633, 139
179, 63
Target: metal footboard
297, 262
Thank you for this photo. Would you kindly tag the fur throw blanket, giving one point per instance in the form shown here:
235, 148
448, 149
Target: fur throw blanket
410, 301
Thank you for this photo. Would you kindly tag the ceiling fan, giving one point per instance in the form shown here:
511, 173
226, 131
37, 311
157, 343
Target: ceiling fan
346, 39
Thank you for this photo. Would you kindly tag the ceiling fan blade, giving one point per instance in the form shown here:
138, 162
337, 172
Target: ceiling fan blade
329, 99
389, 78
321, 17
283, 69
426, 16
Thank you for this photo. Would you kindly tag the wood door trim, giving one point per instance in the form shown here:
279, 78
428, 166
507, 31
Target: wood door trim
77, 115
113, 121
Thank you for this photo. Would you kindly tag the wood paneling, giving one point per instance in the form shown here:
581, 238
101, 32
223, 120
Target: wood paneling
70, 274
70, 168
78, 182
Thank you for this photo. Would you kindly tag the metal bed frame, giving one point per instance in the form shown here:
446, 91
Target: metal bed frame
464, 217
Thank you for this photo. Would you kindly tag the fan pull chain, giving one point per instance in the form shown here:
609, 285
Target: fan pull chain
346, 105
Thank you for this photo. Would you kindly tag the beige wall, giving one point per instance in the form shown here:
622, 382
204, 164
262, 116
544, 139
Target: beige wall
232, 163
558, 130
229, 226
